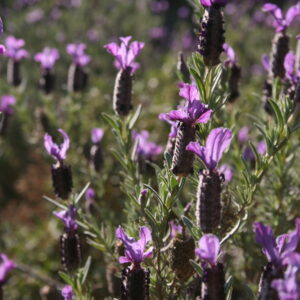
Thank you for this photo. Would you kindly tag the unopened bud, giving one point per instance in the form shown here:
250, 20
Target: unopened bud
62, 180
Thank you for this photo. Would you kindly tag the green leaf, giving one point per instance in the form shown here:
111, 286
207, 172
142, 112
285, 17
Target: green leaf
64, 207
196, 267
157, 196
111, 121
191, 227
66, 277
135, 117
86, 269
82, 192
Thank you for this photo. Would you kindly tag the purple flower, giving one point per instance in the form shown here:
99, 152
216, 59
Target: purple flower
217, 142
175, 229
146, 148
281, 23
194, 111
68, 217
125, 53
231, 58
276, 250
289, 287
208, 3
97, 135
289, 66
6, 265
47, 58
6, 103
243, 135
59, 152
209, 248
227, 171
77, 51
174, 125
135, 250
14, 48
90, 194
67, 292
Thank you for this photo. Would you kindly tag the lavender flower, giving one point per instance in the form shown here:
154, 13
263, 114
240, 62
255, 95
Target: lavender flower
6, 265
231, 57
135, 251
146, 150
217, 142
209, 3
69, 218
276, 250
90, 194
58, 152
194, 111
47, 57
281, 23
67, 292
289, 65
125, 53
213, 278
97, 135
77, 51
14, 48
6, 103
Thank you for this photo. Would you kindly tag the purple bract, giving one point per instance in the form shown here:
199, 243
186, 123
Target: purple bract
77, 51
276, 250
6, 103
209, 248
135, 251
14, 48
289, 66
68, 217
67, 292
194, 111
146, 148
97, 135
209, 3
6, 265
217, 142
59, 152
125, 53
281, 23
47, 57
90, 194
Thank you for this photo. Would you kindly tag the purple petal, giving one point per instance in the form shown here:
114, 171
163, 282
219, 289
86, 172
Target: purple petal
189, 92
50, 146
204, 118
292, 12
126, 40
206, 3
209, 247
197, 149
293, 240
134, 49
121, 235
265, 62
230, 53
289, 64
2, 49
6, 265
65, 145
67, 292
217, 142
97, 135
112, 48
264, 236
280, 241
124, 260
177, 115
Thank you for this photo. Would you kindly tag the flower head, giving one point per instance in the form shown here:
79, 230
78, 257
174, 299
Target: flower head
146, 148
6, 265
276, 250
281, 23
6, 103
97, 135
68, 217
231, 57
59, 152
14, 48
175, 229
217, 142
67, 292
47, 58
209, 3
209, 248
174, 124
125, 53
77, 51
194, 111
135, 251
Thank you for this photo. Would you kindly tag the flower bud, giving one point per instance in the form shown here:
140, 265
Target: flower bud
77, 78
213, 281
208, 207
70, 251
211, 38
183, 249
122, 99
62, 180
135, 284
96, 156
182, 163
280, 48
13, 72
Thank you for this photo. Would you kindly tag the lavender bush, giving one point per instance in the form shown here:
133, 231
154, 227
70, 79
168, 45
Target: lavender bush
204, 205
